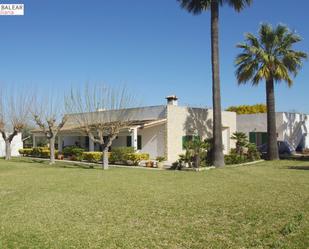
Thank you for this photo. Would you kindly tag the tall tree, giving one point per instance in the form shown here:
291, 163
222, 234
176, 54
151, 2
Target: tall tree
270, 57
14, 110
197, 7
101, 112
48, 114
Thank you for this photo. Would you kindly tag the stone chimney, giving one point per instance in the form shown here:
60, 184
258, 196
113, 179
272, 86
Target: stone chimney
172, 100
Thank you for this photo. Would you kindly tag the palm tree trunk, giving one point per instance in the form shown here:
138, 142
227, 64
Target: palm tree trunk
272, 148
52, 150
7, 150
218, 157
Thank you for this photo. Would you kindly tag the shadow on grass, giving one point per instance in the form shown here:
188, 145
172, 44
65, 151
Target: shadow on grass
304, 158
299, 167
58, 164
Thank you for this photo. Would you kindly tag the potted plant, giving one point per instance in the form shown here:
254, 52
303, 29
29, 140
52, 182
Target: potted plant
60, 156
149, 164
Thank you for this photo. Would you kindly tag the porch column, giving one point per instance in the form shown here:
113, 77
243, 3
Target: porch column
91, 145
134, 138
33, 140
60, 140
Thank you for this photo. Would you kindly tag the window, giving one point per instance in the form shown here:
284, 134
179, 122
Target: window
258, 138
139, 142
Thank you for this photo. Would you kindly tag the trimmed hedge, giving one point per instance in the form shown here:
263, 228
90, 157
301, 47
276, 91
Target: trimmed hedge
92, 157
42, 152
136, 158
118, 155
76, 153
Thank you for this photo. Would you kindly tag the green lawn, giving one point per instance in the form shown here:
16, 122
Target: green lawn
261, 206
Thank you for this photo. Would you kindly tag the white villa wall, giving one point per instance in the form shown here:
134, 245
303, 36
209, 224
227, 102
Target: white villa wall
257, 123
153, 140
183, 121
16, 144
291, 127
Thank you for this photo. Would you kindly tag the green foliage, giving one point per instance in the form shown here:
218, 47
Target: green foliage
195, 152
234, 158
25, 152
136, 158
241, 141
253, 154
248, 109
244, 151
269, 56
42, 152
92, 156
119, 154
160, 158
74, 152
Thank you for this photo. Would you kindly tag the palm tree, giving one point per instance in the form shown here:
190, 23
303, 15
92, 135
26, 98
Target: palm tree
197, 7
241, 141
269, 57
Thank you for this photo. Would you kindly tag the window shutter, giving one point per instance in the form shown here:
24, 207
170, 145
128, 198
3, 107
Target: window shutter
252, 137
139, 142
129, 141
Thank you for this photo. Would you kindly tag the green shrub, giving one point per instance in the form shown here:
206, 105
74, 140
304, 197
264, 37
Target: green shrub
119, 154
73, 151
160, 158
234, 158
25, 152
253, 153
43, 152
136, 158
92, 156
46, 153
37, 151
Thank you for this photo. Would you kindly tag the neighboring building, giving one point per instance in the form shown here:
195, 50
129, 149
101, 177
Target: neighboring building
16, 144
291, 127
157, 130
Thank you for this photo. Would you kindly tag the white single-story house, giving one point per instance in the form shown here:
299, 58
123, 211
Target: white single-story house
157, 130
291, 127
16, 144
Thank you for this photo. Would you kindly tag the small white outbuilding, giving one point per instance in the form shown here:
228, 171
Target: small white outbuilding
16, 144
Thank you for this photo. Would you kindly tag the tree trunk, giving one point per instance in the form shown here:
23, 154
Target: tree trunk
105, 158
52, 150
7, 150
218, 157
272, 147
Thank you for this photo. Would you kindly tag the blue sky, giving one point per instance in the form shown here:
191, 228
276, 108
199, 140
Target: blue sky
153, 47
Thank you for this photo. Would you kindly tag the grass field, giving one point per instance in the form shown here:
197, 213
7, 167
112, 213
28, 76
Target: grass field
259, 206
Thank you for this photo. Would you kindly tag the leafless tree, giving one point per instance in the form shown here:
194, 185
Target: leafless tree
48, 114
14, 110
101, 112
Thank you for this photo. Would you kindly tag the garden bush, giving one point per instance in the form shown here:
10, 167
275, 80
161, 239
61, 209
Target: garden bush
234, 158
76, 153
120, 154
92, 156
25, 152
136, 158
42, 152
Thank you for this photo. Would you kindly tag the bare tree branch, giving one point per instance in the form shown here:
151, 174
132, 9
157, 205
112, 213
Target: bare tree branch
101, 112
